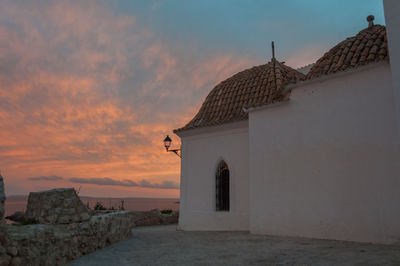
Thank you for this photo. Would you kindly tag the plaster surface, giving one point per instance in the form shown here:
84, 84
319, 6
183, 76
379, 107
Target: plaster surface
163, 245
392, 9
201, 154
325, 165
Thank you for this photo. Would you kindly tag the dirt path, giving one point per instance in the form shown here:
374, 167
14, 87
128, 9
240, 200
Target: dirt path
163, 245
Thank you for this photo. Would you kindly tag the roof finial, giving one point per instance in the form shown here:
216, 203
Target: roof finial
273, 66
370, 20
273, 50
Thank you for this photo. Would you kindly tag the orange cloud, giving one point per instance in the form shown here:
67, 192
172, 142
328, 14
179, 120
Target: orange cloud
85, 92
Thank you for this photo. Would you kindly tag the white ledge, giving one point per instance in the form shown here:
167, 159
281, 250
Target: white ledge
337, 74
266, 106
210, 129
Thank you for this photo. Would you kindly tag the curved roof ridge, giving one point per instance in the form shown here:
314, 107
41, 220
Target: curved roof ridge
367, 46
252, 86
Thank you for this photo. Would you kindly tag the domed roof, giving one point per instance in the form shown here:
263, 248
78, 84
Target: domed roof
369, 45
258, 85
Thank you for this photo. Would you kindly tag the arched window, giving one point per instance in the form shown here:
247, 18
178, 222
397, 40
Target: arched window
222, 187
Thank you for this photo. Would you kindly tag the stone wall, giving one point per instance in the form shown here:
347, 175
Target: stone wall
56, 206
149, 218
67, 233
5, 259
44, 244
2, 198
154, 217
58, 240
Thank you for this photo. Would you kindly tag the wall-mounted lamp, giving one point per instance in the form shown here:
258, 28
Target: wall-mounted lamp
167, 144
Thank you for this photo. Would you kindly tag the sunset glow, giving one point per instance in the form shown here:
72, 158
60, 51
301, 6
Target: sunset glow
89, 89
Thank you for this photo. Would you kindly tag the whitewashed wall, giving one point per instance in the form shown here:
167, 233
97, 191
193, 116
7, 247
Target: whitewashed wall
202, 150
326, 164
392, 11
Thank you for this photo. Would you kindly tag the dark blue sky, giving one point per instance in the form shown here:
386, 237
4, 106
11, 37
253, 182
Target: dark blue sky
248, 27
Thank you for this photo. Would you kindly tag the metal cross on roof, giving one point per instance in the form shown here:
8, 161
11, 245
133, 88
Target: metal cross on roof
273, 64
273, 50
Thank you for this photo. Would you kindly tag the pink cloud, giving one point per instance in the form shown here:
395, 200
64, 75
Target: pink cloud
86, 92
306, 56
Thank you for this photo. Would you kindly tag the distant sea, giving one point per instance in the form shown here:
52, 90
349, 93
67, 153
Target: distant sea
18, 203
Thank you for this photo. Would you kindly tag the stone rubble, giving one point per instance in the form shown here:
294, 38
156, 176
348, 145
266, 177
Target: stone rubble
17, 217
154, 217
56, 206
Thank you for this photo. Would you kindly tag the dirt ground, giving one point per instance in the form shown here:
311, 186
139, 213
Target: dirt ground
163, 245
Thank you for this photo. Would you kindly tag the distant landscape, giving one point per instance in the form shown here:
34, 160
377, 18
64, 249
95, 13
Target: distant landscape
18, 203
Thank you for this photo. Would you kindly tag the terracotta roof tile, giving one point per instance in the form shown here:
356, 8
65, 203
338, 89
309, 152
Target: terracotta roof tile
251, 87
369, 45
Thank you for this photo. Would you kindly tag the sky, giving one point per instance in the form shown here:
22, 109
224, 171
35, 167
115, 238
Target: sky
89, 89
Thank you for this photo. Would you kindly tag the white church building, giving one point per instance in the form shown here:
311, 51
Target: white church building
273, 151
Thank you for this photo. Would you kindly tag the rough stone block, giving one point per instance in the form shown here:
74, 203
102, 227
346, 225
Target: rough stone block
56, 206
4, 259
16, 261
13, 251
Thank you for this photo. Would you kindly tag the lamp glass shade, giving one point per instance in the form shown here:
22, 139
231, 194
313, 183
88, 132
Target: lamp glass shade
167, 142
